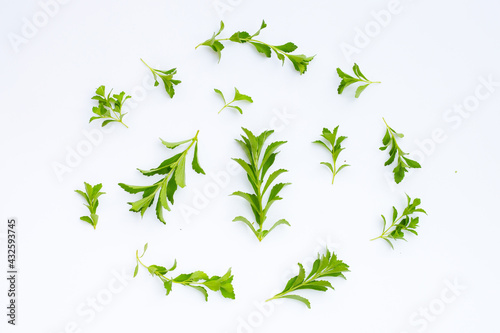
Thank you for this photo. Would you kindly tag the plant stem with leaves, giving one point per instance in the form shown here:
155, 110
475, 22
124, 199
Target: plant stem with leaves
166, 77
256, 169
197, 280
401, 223
91, 195
327, 265
299, 61
109, 107
237, 97
336, 148
348, 80
175, 176
403, 162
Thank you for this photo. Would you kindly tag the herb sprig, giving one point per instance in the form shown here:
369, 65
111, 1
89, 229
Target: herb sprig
348, 80
390, 140
109, 107
237, 97
299, 61
334, 149
402, 223
197, 280
327, 265
166, 77
175, 176
256, 168
91, 195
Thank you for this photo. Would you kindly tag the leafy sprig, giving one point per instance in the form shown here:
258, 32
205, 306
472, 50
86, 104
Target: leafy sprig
327, 265
197, 280
299, 61
109, 107
166, 77
333, 145
91, 195
237, 97
174, 175
348, 80
403, 163
256, 168
404, 222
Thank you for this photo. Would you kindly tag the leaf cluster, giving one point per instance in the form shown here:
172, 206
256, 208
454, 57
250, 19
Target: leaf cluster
259, 161
166, 77
403, 163
299, 61
197, 280
91, 195
237, 97
109, 107
348, 80
174, 175
327, 265
333, 145
404, 222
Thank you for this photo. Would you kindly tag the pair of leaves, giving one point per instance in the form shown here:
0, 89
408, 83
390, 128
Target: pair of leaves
405, 222
237, 97
91, 195
166, 77
348, 80
327, 265
259, 161
299, 61
197, 280
396, 154
109, 106
333, 145
174, 175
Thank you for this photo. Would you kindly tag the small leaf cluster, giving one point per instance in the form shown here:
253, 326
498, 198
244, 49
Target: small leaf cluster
109, 107
348, 80
166, 77
259, 162
237, 97
333, 145
404, 222
403, 163
197, 280
327, 265
91, 195
174, 176
299, 61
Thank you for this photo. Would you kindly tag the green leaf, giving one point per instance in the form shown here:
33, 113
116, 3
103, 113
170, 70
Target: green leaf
287, 48
172, 145
195, 164
412, 163
299, 298
360, 90
240, 37
168, 286
200, 289
180, 172
136, 270
220, 94
241, 97
262, 48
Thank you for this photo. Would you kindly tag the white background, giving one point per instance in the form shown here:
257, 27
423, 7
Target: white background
430, 57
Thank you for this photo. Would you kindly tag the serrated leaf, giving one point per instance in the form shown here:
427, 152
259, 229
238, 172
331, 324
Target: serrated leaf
299, 298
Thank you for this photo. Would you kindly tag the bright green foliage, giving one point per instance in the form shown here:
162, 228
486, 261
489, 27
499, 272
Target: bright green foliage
174, 175
326, 265
237, 97
403, 163
197, 280
348, 80
299, 61
166, 77
401, 223
110, 107
333, 145
91, 197
256, 168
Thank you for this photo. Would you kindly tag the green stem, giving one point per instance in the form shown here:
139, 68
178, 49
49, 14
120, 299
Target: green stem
225, 106
384, 232
312, 278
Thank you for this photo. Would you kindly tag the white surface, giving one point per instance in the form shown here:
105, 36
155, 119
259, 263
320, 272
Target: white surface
429, 58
